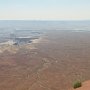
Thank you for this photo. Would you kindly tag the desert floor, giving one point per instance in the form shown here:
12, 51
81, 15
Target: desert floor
54, 63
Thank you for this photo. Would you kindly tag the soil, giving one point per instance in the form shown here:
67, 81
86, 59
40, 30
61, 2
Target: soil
54, 63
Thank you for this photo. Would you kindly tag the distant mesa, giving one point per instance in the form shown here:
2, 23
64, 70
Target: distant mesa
20, 37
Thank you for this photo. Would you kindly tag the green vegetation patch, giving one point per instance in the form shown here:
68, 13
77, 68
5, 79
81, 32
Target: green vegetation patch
77, 84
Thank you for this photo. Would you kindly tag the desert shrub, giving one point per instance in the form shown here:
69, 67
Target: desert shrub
77, 84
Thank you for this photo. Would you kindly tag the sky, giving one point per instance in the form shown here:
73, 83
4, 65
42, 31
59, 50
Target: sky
44, 9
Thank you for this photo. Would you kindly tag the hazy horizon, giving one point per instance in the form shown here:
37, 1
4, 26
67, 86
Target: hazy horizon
44, 25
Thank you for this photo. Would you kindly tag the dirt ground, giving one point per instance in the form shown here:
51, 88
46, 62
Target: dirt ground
61, 58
